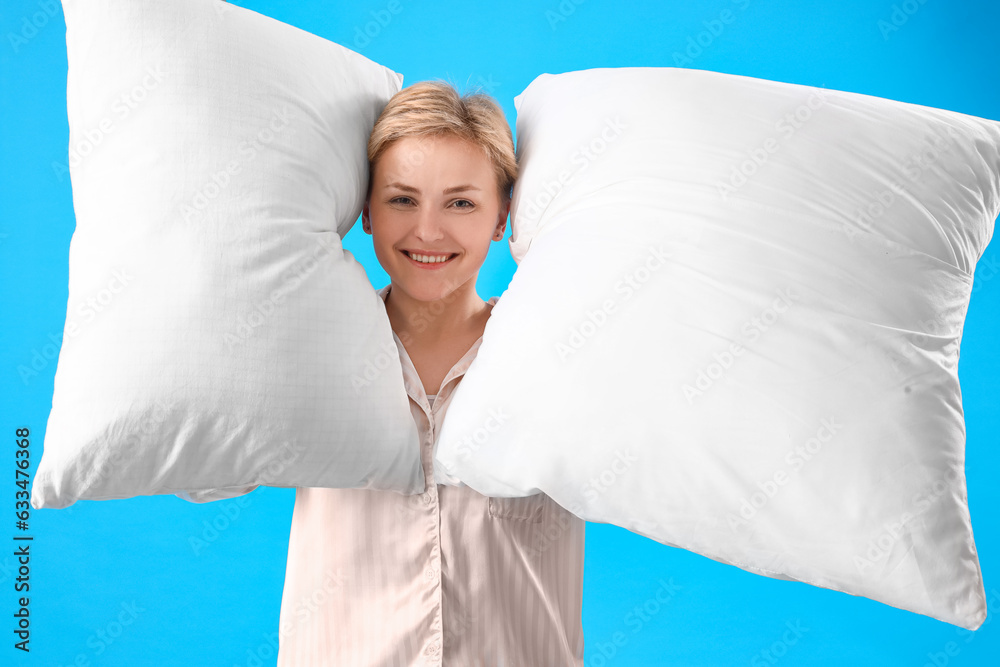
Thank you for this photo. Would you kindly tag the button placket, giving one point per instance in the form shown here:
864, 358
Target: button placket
430, 502
433, 571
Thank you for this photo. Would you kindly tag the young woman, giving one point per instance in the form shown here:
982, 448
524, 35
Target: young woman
449, 577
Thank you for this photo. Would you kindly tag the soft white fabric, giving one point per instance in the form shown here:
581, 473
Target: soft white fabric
218, 336
761, 289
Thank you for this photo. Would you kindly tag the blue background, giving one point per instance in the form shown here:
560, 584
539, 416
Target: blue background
218, 606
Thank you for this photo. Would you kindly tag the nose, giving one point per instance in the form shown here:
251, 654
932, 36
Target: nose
428, 227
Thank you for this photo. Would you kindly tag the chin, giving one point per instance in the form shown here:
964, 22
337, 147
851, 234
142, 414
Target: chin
428, 290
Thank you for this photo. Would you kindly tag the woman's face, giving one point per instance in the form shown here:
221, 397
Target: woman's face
433, 196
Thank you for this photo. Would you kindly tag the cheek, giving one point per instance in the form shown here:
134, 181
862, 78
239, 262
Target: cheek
384, 228
478, 244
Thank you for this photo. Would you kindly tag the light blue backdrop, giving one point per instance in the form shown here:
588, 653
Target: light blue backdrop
99, 564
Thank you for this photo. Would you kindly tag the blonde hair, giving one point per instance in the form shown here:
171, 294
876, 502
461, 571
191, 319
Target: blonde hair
430, 108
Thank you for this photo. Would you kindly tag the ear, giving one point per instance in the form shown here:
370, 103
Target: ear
366, 215
502, 219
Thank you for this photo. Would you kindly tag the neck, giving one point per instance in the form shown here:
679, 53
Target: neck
430, 323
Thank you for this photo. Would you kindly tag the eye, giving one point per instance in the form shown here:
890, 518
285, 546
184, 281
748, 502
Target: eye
470, 204
397, 199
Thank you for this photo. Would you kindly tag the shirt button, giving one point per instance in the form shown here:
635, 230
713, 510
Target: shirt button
429, 573
433, 648
427, 497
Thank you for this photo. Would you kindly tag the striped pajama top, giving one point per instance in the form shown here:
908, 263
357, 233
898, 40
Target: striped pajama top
447, 578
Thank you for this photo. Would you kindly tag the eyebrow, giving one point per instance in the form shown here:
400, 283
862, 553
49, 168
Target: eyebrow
447, 191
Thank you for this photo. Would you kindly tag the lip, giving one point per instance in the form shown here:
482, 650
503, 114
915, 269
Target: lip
427, 267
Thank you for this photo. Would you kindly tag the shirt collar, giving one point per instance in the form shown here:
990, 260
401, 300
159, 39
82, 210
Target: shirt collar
411, 380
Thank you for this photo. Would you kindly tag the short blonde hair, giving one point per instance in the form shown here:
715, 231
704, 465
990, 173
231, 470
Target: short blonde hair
429, 108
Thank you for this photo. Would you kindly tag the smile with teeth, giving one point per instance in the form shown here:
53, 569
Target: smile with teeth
429, 259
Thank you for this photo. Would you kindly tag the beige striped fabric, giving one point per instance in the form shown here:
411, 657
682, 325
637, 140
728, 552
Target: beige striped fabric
447, 578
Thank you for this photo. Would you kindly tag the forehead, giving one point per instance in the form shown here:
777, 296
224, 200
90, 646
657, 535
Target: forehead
431, 161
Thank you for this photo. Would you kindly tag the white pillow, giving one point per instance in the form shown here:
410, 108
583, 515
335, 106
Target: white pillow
217, 334
745, 301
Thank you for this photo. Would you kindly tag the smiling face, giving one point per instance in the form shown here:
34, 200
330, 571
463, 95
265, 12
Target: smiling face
433, 198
